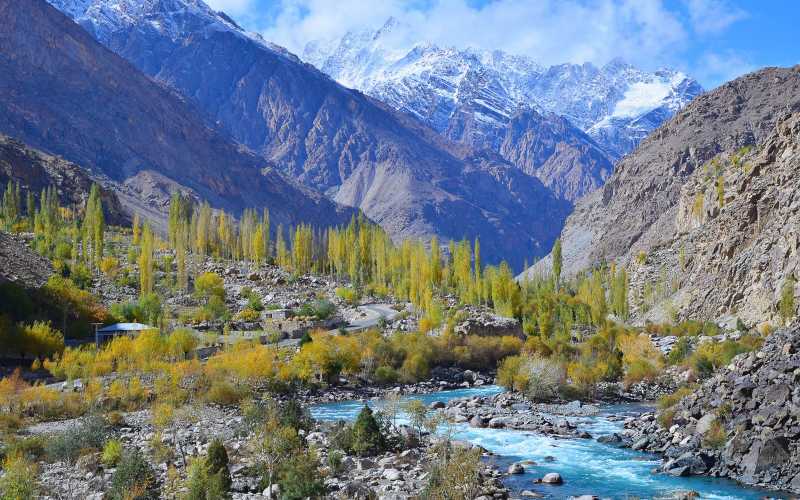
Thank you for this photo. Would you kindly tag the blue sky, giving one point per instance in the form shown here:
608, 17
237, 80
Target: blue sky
712, 40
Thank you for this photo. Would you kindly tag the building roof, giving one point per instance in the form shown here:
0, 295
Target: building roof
125, 327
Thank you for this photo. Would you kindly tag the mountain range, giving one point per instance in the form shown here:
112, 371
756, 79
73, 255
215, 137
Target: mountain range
476, 96
358, 151
182, 98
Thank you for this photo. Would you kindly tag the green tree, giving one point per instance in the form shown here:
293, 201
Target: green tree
367, 436
217, 462
557, 261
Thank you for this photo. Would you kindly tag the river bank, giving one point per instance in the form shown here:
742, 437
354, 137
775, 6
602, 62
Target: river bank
588, 465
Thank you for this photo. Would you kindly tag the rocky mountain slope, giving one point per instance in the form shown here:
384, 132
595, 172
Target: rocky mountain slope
362, 153
743, 423
35, 171
62, 92
707, 226
21, 265
617, 105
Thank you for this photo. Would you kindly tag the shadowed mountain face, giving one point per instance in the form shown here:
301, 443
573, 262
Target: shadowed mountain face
691, 190
62, 92
360, 152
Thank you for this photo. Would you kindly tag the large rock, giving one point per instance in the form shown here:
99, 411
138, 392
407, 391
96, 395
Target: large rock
688, 464
552, 478
764, 455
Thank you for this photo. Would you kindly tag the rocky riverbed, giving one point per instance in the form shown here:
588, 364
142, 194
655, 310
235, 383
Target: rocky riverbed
743, 423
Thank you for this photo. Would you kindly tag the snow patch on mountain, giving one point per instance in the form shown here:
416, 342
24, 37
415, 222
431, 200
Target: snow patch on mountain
641, 98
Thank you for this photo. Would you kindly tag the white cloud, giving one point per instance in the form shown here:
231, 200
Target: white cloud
551, 31
713, 16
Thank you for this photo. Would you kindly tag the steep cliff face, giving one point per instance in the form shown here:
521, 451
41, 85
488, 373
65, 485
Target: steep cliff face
735, 244
360, 152
62, 92
35, 171
550, 148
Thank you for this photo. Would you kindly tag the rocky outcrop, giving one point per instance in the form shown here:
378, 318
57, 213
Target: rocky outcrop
703, 214
63, 93
743, 423
35, 171
486, 324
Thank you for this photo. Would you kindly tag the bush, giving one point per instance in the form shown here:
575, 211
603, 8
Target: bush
349, 295
226, 394
299, 478
680, 351
217, 463
134, 479
709, 356
112, 453
386, 375
209, 285
202, 484
19, 479
248, 315
367, 436
540, 378
68, 445
716, 437
29, 448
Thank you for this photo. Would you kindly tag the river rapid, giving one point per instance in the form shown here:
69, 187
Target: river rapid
587, 467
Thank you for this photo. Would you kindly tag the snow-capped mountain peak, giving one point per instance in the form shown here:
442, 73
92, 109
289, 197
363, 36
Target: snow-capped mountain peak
617, 104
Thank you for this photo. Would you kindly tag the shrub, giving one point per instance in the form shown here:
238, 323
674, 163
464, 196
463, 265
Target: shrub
248, 315
680, 351
349, 295
217, 463
209, 285
716, 437
455, 474
29, 447
19, 479
386, 375
134, 479
670, 400
299, 477
202, 484
226, 394
112, 452
709, 356
540, 378
254, 302
67, 446
367, 436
